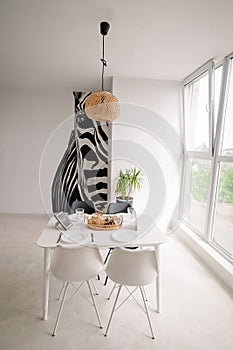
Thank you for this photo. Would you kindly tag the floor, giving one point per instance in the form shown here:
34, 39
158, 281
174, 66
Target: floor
197, 308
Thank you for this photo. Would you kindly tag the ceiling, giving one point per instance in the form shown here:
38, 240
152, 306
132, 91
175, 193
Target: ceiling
56, 43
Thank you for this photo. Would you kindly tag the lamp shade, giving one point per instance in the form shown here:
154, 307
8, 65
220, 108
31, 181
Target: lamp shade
102, 106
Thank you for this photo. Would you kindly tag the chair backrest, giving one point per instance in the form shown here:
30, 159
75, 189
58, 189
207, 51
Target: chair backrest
76, 263
115, 208
132, 267
81, 204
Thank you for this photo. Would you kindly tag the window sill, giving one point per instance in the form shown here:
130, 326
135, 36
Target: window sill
217, 263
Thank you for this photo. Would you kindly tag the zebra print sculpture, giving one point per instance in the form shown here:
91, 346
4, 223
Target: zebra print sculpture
83, 170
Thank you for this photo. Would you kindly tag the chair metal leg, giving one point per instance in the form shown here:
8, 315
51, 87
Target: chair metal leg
94, 286
62, 288
60, 309
109, 252
147, 313
105, 260
106, 280
144, 292
130, 295
113, 309
76, 290
94, 304
115, 286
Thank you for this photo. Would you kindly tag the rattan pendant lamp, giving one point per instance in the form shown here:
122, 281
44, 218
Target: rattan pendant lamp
102, 106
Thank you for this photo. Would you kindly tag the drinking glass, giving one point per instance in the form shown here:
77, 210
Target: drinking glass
132, 213
79, 216
118, 220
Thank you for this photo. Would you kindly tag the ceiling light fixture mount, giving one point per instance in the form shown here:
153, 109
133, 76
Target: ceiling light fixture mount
102, 106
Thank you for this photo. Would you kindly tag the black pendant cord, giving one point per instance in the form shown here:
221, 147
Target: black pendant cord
104, 65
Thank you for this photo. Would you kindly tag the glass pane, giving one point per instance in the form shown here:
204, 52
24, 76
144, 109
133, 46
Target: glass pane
197, 115
223, 227
200, 175
227, 145
217, 86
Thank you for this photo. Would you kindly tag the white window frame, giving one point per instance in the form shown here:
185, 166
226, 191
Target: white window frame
218, 157
215, 144
206, 68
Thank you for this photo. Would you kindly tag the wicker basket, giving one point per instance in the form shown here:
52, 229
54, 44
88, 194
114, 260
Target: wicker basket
104, 227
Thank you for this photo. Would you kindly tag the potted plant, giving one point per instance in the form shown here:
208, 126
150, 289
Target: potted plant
127, 181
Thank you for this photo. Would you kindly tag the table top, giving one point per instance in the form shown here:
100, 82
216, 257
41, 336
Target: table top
142, 232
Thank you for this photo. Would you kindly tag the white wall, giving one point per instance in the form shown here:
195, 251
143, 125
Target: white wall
142, 102
163, 97
27, 119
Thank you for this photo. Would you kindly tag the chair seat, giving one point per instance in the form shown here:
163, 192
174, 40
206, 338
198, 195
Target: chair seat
132, 267
76, 264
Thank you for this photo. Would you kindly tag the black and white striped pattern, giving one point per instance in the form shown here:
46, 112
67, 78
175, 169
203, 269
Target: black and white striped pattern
83, 171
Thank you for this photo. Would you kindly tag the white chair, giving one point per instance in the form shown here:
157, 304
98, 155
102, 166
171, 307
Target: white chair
116, 208
73, 263
132, 268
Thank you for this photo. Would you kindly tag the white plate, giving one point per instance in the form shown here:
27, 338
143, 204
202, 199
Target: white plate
73, 236
124, 236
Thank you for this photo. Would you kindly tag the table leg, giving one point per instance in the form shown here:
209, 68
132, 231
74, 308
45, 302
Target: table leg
158, 279
47, 261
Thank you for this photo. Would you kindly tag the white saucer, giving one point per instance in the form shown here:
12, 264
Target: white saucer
124, 236
73, 236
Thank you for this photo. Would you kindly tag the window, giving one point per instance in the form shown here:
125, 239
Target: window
200, 175
199, 143
217, 86
223, 225
197, 110
227, 141
208, 119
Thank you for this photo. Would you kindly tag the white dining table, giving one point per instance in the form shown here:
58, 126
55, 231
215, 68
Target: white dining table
141, 233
